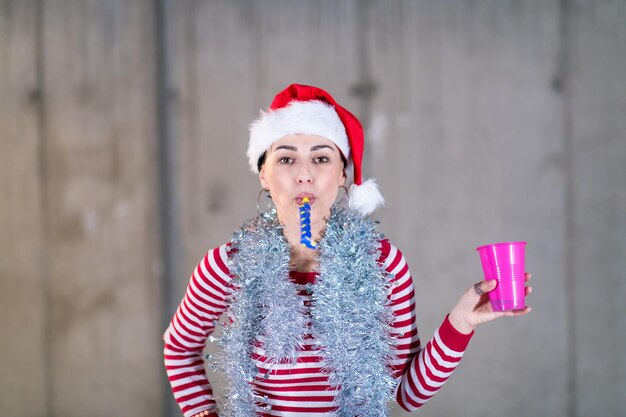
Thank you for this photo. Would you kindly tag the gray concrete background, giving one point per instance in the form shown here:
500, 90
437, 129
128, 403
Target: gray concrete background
123, 129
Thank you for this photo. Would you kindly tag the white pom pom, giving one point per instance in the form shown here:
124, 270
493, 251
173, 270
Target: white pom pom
365, 198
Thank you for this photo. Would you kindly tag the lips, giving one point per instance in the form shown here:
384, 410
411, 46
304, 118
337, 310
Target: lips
300, 197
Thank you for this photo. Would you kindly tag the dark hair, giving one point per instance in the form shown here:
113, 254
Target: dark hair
261, 161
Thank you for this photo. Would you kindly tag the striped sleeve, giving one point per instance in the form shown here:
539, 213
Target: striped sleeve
422, 370
194, 321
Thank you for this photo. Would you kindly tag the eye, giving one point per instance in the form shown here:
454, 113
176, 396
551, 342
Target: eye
285, 160
321, 159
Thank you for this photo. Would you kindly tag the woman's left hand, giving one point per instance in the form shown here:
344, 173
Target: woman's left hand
474, 309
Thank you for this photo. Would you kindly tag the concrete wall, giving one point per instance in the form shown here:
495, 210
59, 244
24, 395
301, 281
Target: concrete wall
81, 289
123, 129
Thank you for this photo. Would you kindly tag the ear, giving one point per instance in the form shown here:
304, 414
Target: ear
343, 179
263, 178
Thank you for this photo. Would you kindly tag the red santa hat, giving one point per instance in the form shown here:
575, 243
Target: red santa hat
303, 109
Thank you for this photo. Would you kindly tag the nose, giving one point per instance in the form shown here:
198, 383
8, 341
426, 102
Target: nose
304, 175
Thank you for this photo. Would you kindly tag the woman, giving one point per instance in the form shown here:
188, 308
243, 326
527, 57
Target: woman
321, 307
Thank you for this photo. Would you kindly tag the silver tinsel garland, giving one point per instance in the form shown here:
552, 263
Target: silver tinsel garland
351, 315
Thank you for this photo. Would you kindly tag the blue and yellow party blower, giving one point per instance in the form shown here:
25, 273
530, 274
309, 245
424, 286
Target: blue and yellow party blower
305, 225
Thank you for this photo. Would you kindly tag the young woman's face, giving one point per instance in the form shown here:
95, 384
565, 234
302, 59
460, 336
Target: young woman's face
299, 166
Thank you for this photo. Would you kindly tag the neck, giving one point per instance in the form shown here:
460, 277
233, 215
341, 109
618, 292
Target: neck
302, 258
291, 228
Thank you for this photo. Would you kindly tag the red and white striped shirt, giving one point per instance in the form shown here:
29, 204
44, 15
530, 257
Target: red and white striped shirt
302, 389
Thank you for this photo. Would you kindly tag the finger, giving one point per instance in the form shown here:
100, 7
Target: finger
522, 312
527, 276
483, 287
528, 290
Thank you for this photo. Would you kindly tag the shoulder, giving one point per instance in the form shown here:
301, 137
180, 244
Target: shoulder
398, 274
390, 256
216, 261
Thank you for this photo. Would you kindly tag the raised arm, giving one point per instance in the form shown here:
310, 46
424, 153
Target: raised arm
422, 370
194, 321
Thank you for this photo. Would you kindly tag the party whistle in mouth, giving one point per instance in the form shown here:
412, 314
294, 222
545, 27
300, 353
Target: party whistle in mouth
305, 224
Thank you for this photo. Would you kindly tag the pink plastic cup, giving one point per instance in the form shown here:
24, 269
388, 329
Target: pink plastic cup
504, 262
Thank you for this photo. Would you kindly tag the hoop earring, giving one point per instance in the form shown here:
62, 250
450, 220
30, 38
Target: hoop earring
346, 196
258, 198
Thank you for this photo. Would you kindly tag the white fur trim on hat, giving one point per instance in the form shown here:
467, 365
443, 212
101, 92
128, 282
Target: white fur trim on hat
312, 117
365, 198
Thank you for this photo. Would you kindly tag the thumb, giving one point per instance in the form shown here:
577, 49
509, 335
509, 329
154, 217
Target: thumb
483, 287
489, 285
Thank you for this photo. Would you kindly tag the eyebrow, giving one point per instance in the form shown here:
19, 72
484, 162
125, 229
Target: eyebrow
316, 147
293, 148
